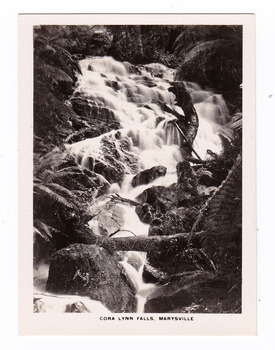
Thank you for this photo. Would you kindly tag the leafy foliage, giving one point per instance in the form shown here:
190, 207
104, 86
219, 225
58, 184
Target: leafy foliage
144, 43
193, 35
212, 57
81, 40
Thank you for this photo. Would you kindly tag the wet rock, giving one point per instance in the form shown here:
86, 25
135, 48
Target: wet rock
82, 181
186, 174
205, 177
145, 213
175, 221
111, 172
134, 259
107, 217
177, 293
111, 157
149, 175
46, 302
91, 271
81, 106
152, 275
131, 68
112, 84
87, 108
163, 199
159, 197
183, 193
145, 81
164, 301
95, 129
77, 307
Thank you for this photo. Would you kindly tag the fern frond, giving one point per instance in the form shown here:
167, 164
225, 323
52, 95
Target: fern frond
42, 229
235, 123
41, 234
55, 74
219, 213
61, 189
69, 171
49, 176
54, 196
65, 60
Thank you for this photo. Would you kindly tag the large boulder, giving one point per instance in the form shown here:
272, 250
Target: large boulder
174, 221
145, 213
91, 271
108, 155
106, 216
181, 194
176, 294
159, 198
149, 175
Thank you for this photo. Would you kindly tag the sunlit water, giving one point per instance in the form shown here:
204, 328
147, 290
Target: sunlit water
152, 139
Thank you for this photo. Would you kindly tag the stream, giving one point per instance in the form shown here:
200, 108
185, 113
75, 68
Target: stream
152, 141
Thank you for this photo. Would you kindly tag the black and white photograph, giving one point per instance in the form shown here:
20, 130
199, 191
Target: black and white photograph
138, 158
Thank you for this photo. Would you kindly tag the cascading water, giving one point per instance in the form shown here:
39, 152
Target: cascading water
153, 141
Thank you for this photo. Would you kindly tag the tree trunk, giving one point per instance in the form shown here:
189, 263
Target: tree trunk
139, 42
191, 121
173, 243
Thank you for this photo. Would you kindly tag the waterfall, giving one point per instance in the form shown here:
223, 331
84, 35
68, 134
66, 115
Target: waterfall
152, 140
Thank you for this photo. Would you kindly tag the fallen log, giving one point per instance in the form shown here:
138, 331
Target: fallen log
151, 244
191, 121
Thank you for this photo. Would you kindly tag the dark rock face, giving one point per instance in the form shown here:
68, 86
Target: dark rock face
117, 160
145, 213
175, 294
185, 173
205, 177
174, 221
91, 121
159, 197
181, 194
113, 84
91, 271
112, 158
164, 302
148, 175
77, 307
170, 210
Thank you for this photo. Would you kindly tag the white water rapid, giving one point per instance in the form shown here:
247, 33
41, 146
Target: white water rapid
108, 83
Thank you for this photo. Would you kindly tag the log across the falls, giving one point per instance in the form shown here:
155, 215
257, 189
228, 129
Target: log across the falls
151, 244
